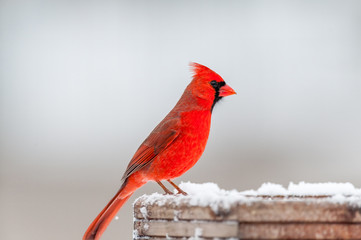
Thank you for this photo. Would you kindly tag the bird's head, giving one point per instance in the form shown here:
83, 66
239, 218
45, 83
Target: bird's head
208, 85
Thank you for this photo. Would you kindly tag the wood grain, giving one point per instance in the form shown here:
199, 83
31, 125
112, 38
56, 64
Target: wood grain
299, 231
186, 229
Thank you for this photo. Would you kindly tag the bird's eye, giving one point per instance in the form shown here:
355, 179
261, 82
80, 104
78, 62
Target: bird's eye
214, 83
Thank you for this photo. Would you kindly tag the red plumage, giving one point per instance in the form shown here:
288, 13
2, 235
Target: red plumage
173, 147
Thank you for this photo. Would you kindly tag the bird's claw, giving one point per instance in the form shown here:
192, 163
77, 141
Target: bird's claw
182, 192
168, 193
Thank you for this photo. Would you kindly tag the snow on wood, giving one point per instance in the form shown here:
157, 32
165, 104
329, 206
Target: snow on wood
301, 211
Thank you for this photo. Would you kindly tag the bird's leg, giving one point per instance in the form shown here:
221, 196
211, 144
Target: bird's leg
180, 191
166, 190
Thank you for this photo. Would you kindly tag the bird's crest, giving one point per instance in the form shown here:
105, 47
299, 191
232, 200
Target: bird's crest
201, 71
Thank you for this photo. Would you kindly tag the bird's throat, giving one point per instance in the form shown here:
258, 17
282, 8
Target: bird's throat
215, 100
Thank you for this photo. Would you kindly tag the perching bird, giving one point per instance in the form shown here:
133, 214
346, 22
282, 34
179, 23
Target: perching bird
173, 147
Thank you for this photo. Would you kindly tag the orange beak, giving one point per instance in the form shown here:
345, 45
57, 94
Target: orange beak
226, 91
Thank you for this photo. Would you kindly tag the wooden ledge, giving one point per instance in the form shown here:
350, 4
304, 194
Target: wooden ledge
248, 217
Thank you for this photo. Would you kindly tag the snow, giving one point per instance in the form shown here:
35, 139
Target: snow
135, 233
211, 190
197, 234
209, 194
144, 212
176, 214
305, 189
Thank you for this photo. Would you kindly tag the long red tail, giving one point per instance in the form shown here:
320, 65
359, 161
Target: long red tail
101, 222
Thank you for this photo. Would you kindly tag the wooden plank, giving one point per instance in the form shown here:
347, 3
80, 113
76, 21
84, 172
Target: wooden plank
261, 210
182, 212
299, 231
298, 211
181, 238
225, 229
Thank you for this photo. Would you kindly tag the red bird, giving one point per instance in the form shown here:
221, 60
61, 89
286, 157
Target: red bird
173, 147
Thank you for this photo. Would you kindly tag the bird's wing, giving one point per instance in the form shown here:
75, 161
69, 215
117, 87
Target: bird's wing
159, 139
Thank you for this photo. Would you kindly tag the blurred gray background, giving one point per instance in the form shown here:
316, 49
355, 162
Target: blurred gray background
84, 82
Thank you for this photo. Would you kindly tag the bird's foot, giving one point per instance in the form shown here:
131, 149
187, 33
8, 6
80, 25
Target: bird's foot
180, 191
168, 192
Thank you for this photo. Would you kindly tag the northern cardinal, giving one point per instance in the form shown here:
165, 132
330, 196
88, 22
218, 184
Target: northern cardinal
173, 147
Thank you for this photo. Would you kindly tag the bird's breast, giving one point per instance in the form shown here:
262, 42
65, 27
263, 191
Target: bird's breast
186, 149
